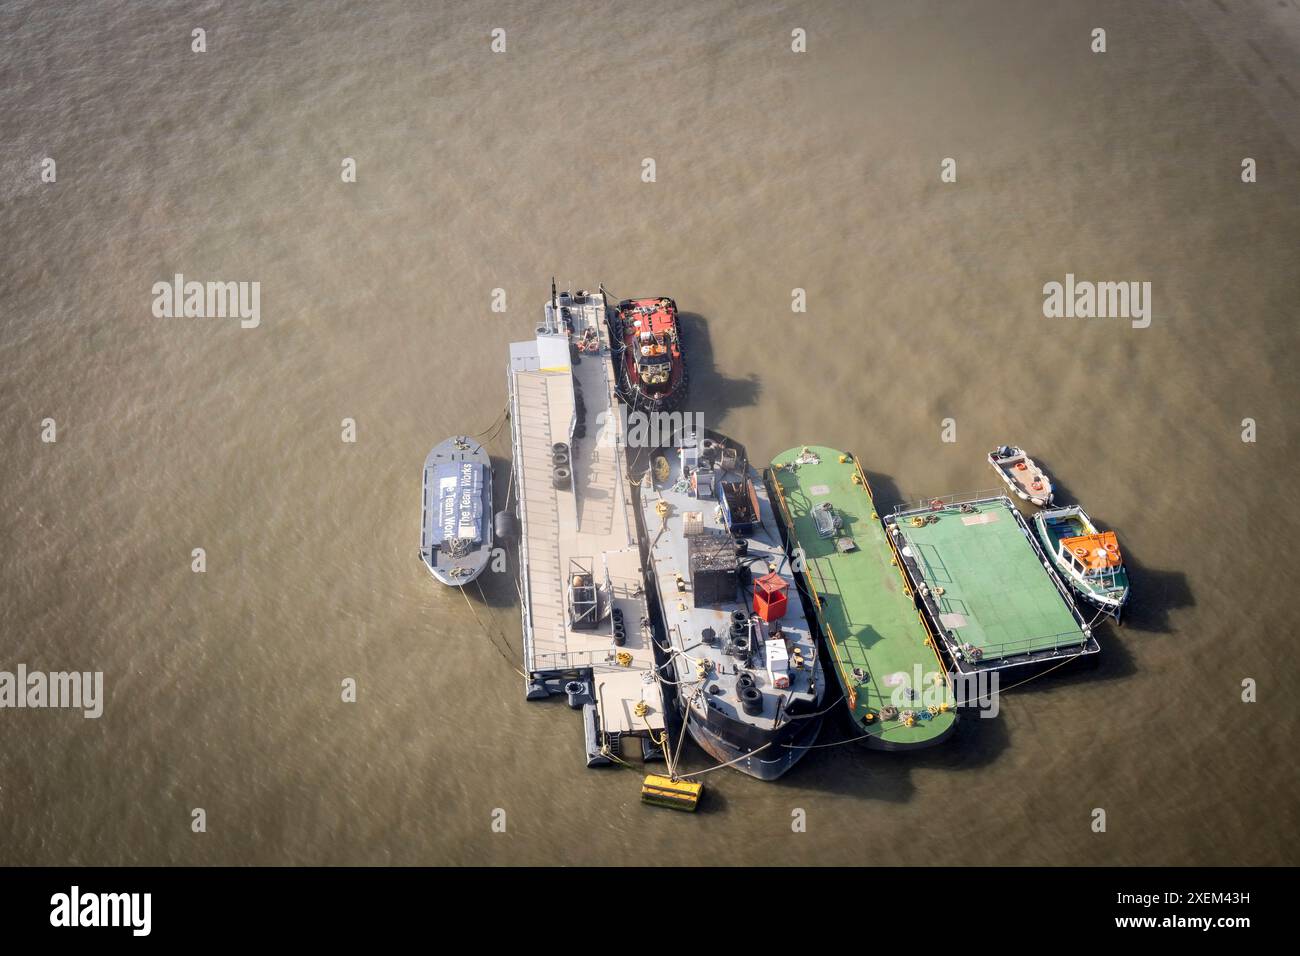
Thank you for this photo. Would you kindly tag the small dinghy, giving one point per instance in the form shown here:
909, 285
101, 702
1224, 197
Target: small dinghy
1089, 559
456, 526
1022, 475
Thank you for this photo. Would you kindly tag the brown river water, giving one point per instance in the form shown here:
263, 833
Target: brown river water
775, 170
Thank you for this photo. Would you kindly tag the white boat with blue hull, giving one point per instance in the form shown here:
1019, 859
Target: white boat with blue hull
1086, 556
456, 519
739, 650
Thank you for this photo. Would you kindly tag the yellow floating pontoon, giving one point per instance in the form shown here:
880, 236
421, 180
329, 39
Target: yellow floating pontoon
675, 794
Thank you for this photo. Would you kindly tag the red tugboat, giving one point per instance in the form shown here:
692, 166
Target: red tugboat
651, 369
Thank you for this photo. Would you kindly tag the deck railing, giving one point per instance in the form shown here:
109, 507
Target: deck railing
575, 660
950, 501
1005, 649
516, 444
1029, 645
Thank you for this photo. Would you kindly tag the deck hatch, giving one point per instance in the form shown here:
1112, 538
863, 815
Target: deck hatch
713, 567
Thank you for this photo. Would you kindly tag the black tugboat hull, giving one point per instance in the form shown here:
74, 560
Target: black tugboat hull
784, 748
638, 400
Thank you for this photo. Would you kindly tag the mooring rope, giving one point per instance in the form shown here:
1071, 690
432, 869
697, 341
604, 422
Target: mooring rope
486, 632
967, 702
700, 773
495, 426
789, 716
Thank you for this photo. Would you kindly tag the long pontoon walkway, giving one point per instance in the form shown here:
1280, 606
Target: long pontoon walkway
587, 523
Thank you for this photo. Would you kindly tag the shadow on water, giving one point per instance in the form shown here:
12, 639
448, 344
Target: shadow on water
1155, 593
711, 391
496, 588
1112, 662
714, 799
1061, 494
843, 766
884, 491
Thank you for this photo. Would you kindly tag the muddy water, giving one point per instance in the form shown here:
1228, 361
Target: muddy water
479, 171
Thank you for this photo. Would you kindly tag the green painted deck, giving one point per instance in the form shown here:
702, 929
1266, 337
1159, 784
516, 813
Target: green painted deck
996, 595
865, 610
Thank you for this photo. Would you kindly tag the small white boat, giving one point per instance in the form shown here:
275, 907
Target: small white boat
1022, 475
1088, 557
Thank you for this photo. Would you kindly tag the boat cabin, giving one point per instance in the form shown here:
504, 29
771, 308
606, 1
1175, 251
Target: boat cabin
653, 327
1091, 556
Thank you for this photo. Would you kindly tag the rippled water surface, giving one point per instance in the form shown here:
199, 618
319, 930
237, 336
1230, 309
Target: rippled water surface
479, 171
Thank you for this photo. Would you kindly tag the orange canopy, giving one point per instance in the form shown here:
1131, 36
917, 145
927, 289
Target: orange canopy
1096, 552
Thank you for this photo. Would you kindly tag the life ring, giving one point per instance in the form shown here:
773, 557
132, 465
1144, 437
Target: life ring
1037, 485
936, 504
1080, 552
1112, 549
1021, 466
976, 653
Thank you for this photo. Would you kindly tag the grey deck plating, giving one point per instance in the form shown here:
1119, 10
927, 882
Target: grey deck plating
589, 521
787, 722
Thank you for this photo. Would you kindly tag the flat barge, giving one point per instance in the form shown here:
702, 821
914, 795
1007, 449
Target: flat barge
586, 627
896, 687
741, 653
990, 593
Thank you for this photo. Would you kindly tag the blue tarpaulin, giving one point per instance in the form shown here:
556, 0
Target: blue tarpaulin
459, 498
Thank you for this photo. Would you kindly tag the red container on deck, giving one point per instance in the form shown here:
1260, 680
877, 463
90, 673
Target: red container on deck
769, 597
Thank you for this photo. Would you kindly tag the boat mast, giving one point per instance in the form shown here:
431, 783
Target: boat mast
553, 313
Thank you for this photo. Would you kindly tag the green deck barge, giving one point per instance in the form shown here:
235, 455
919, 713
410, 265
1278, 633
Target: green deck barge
883, 655
991, 595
